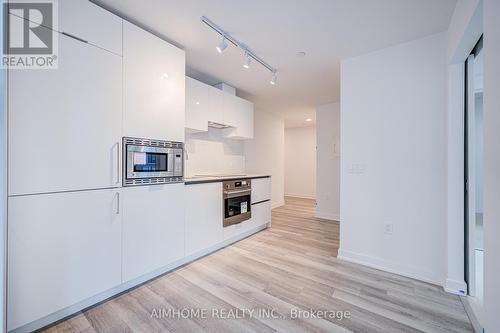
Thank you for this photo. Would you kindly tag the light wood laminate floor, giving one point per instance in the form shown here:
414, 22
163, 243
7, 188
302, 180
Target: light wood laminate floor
289, 267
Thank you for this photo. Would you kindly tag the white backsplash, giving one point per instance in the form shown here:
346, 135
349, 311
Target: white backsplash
211, 153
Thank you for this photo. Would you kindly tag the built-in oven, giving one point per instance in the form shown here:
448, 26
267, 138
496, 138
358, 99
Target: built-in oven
147, 162
237, 201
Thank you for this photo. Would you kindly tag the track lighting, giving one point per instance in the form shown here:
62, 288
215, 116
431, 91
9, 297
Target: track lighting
246, 64
249, 54
274, 78
222, 45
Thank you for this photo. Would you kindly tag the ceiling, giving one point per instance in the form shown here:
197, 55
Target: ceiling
327, 30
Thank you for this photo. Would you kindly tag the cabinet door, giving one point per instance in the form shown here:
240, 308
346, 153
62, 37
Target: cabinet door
217, 101
261, 189
65, 123
153, 228
203, 216
231, 109
197, 106
62, 249
242, 112
154, 86
85, 20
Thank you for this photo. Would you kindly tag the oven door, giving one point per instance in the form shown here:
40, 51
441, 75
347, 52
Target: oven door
149, 162
237, 206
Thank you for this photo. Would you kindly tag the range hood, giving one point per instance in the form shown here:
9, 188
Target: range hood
217, 125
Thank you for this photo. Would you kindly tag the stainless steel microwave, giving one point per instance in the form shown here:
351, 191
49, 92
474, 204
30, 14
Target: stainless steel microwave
147, 162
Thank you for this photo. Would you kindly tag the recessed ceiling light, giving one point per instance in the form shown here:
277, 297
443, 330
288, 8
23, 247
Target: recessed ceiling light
197, 103
300, 54
165, 75
309, 119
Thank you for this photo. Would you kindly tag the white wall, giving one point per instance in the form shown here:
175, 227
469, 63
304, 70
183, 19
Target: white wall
300, 162
328, 161
492, 165
266, 152
393, 127
211, 153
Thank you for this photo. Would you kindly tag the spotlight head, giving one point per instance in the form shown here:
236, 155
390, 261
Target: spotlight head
246, 64
273, 79
222, 46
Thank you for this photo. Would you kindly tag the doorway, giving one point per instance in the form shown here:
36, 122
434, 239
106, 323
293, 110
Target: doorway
474, 175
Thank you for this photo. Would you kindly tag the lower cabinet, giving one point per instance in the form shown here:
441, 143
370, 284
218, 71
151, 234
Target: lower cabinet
62, 249
204, 216
153, 228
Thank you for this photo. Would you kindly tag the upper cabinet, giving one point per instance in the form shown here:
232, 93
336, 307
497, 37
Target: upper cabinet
91, 23
153, 86
198, 106
206, 104
240, 115
65, 123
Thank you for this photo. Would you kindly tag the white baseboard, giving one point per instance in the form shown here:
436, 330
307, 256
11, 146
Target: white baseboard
478, 328
455, 287
328, 216
300, 196
124, 287
391, 267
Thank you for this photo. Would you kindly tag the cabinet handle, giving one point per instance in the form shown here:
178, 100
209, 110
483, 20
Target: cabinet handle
117, 203
117, 162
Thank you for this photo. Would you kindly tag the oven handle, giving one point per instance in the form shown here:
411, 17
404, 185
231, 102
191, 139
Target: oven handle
237, 192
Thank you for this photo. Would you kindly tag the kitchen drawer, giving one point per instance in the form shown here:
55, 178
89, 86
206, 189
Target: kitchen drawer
261, 189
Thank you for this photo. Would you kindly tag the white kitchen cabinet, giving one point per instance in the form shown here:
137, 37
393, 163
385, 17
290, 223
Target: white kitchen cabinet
62, 249
261, 189
231, 105
204, 216
198, 105
154, 86
205, 104
65, 124
85, 20
153, 228
241, 114
217, 101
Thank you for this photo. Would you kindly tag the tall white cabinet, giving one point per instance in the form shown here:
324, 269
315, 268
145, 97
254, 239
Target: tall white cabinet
65, 123
153, 86
63, 248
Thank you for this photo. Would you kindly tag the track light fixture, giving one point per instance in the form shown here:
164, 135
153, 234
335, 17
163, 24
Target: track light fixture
249, 55
274, 78
246, 64
222, 45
